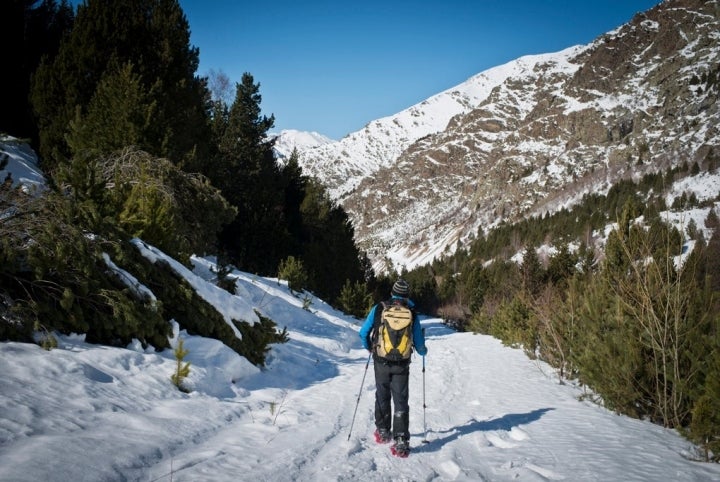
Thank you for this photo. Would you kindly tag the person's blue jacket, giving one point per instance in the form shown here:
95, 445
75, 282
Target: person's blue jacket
418, 336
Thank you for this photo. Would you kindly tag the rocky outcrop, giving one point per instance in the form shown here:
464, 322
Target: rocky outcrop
640, 98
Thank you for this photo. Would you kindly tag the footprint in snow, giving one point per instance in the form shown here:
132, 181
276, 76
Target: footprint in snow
498, 441
518, 434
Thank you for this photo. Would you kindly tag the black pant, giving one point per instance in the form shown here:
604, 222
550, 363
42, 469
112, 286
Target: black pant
391, 381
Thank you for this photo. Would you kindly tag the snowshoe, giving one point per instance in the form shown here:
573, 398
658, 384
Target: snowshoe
401, 448
382, 436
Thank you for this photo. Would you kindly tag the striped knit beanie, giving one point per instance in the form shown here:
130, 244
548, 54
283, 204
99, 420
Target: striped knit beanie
401, 288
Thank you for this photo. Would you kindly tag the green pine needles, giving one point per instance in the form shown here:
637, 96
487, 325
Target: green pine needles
293, 270
355, 299
182, 369
45, 339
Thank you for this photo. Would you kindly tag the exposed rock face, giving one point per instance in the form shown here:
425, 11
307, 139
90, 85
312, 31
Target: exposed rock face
532, 136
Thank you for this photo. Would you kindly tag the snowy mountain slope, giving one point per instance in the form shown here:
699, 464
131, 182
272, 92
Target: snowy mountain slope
361, 154
289, 139
531, 136
436, 193
84, 412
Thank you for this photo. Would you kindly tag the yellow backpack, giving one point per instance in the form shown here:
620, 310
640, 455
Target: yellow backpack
394, 332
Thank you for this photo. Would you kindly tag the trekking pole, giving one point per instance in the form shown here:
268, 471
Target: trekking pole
359, 395
424, 440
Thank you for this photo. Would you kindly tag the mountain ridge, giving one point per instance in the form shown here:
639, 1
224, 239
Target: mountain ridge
385, 138
545, 130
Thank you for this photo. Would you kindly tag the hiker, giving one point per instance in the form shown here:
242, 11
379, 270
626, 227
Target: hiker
391, 360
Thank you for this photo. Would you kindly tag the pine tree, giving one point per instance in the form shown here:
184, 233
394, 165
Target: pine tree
169, 208
712, 265
62, 277
293, 271
246, 154
294, 185
557, 324
424, 289
704, 428
531, 271
182, 368
606, 351
131, 193
248, 177
621, 243
355, 299
29, 30
153, 37
328, 244
561, 266
473, 284
712, 221
662, 302
148, 213
516, 325
121, 93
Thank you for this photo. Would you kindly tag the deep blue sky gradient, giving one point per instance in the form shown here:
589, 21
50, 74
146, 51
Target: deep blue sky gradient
332, 66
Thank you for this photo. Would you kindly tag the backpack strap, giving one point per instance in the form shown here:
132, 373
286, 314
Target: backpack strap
373, 334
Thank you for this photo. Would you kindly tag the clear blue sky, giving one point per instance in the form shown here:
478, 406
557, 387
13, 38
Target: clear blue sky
333, 66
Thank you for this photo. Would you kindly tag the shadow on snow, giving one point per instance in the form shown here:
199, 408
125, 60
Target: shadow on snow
506, 423
435, 327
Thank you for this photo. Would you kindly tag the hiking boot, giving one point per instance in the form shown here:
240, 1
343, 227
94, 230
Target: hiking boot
382, 436
401, 447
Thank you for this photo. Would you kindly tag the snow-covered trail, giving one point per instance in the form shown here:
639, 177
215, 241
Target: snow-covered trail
95, 413
492, 414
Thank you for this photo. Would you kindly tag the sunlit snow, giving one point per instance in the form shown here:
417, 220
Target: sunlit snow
86, 412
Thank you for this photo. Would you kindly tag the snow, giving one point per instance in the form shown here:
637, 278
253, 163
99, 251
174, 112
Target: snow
381, 141
22, 164
704, 185
87, 412
130, 281
231, 307
288, 139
